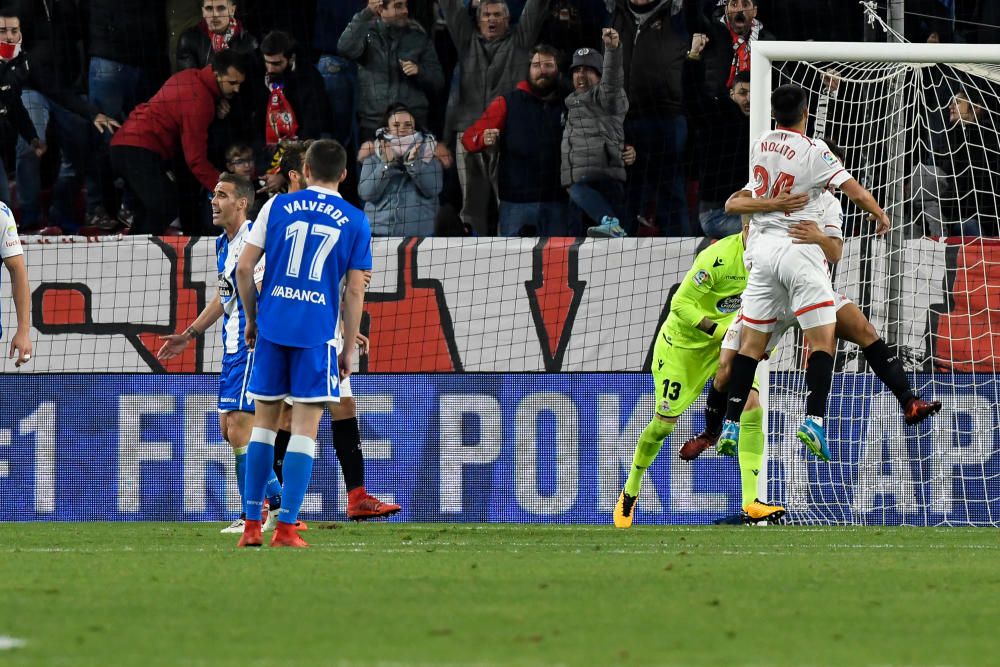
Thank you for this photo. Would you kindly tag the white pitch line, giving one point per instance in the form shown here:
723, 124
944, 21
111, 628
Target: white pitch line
10, 643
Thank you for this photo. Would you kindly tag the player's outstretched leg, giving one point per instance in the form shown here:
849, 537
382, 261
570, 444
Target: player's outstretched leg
650, 442
297, 473
751, 453
853, 326
361, 505
715, 412
889, 369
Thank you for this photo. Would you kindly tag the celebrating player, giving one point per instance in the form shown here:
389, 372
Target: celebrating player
785, 275
232, 196
361, 505
686, 350
12, 256
313, 239
851, 326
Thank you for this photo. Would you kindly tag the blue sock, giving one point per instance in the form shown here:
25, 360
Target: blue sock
273, 491
260, 461
296, 471
241, 473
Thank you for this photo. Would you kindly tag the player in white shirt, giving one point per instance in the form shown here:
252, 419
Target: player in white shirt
12, 256
851, 326
786, 274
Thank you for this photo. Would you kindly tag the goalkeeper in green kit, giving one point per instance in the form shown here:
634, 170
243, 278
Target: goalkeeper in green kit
686, 352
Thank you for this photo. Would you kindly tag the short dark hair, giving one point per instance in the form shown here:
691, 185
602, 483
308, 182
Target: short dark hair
277, 42
545, 50
226, 59
741, 77
327, 160
836, 149
789, 104
10, 12
293, 154
242, 186
394, 108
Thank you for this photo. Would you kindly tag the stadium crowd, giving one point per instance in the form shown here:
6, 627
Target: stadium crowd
466, 117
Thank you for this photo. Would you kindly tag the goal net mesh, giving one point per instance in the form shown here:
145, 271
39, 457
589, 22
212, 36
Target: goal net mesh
922, 137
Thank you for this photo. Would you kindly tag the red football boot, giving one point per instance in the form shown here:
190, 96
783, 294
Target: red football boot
361, 506
286, 535
251, 536
692, 448
917, 409
301, 525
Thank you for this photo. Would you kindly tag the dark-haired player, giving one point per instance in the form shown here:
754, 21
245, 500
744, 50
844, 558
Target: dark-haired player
785, 275
313, 240
344, 427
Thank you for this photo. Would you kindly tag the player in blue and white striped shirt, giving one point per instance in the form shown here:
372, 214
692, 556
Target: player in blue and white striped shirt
230, 201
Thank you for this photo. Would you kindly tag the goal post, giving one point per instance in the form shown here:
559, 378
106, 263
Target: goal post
902, 282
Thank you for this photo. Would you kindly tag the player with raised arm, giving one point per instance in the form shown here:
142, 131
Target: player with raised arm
852, 326
12, 256
313, 240
344, 427
686, 348
785, 275
230, 201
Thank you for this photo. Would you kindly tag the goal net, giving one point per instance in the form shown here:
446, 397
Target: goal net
918, 125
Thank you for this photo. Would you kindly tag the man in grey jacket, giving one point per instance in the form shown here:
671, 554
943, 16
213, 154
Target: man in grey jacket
492, 60
397, 63
593, 166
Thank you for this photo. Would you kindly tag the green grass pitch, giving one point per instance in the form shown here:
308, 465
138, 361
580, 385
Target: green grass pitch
428, 594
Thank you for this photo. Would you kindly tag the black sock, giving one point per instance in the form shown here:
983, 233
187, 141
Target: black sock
347, 444
740, 381
715, 410
889, 370
819, 377
280, 447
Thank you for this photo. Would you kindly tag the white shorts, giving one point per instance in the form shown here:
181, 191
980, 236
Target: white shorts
787, 278
732, 339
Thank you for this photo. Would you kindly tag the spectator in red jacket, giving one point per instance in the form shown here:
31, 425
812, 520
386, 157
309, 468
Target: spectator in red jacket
525, 128
179, 114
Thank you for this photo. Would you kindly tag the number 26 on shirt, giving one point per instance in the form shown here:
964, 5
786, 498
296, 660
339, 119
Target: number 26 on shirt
297, 232
763, 181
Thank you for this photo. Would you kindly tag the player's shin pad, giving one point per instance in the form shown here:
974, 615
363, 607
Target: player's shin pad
650, 442
751, 452
819, 377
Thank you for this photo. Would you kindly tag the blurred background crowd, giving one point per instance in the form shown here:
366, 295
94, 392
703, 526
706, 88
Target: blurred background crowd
467, 117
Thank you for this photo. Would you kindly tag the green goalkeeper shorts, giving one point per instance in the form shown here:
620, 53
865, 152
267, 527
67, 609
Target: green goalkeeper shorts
680, 374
